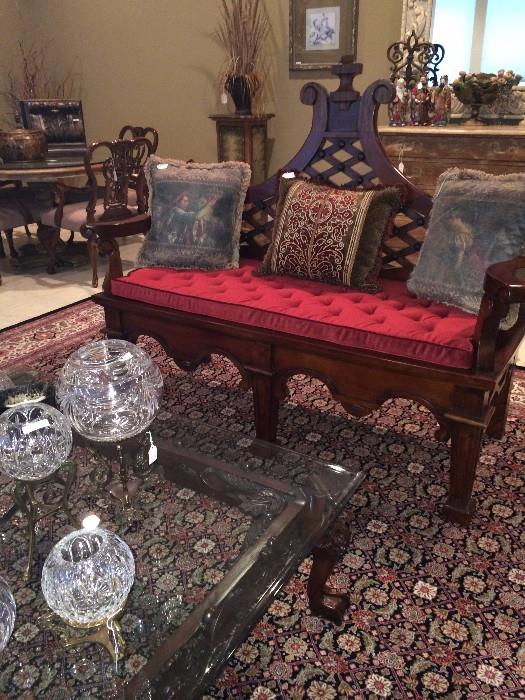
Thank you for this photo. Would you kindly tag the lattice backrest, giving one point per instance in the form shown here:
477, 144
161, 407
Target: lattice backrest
122, 162
343, 149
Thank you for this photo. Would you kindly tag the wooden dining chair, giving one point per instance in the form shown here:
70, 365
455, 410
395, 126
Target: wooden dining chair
128, 131
120, 204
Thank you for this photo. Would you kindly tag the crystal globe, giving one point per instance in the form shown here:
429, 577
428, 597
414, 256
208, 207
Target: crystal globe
35, 439
110, 390
87, 576
7, 613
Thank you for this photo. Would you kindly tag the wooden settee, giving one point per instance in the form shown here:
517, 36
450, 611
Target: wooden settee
456, 365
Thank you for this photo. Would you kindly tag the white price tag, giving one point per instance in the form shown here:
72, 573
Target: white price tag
35, 425
162, 166
152, 454
401, 167
126, 356
224, 98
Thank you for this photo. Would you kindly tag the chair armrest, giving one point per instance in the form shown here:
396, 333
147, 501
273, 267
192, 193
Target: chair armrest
506, 281
504, 285
119, 228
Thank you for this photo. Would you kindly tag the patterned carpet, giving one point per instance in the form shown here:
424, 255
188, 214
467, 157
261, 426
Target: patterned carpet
437, 610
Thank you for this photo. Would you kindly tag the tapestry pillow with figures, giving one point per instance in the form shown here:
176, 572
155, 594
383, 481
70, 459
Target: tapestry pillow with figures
477, 219
330, 234
196, 214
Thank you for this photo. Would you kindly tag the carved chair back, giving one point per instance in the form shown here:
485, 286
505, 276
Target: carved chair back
343, 149
138, 131
122, 162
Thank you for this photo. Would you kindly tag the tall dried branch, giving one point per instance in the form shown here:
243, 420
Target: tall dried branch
32, 79
243, 30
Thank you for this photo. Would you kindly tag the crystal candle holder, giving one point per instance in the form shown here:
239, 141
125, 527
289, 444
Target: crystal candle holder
7, 613
87, 576
110, 390
35, 439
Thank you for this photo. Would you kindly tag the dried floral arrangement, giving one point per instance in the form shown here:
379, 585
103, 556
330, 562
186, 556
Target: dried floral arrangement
243, 31
32, 79
485, 83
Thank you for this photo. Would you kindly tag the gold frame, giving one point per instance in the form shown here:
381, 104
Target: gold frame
302, 58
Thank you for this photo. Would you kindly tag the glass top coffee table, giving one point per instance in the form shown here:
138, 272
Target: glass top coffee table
216, 528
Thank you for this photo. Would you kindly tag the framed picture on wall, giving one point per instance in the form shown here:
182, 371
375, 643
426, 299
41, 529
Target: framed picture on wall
321, 31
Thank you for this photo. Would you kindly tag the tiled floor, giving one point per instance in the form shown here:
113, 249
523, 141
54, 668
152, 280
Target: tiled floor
29, 294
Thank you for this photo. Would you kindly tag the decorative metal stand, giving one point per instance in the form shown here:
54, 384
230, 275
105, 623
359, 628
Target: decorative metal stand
26, 501
132, 458
108, 634
412, 59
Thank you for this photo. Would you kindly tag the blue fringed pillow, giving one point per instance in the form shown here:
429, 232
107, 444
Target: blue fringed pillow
196, 214
477, 219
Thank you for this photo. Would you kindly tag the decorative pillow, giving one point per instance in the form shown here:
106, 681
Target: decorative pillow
196, 214
477, 219
330, 234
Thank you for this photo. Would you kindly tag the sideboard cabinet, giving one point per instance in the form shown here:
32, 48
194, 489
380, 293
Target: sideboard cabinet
427, 151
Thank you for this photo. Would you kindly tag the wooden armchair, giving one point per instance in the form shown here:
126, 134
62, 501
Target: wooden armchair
119, 205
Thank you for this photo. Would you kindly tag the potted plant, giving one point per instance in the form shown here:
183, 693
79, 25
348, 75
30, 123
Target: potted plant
243, 30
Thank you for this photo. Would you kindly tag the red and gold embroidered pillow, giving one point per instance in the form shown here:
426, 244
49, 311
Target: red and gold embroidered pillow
330, 234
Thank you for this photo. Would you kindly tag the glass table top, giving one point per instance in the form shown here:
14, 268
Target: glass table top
217, 526
49, 162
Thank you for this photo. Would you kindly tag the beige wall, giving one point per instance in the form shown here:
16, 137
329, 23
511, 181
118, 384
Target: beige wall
156, 63
11, 29
379, 26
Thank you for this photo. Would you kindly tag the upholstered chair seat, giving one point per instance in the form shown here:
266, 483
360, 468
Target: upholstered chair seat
74, 215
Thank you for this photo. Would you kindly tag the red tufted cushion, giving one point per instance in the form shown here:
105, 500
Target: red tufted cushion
390, 322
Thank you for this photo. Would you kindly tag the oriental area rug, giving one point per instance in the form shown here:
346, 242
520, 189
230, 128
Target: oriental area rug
437, 610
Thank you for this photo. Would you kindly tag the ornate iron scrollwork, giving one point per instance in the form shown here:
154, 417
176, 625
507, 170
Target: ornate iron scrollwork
411, 59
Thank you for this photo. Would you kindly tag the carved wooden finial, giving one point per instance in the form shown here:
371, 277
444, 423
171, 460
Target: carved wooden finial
346, 70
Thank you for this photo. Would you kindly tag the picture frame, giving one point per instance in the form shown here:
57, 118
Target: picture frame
62, 121
321, 31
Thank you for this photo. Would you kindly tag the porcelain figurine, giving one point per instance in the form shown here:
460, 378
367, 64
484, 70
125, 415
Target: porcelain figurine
421, 103
442, 99
398, 108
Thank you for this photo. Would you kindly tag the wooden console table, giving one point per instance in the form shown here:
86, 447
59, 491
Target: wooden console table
243, 137
427, 151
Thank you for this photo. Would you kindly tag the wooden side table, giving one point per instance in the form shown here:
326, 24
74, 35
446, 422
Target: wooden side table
243, 137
